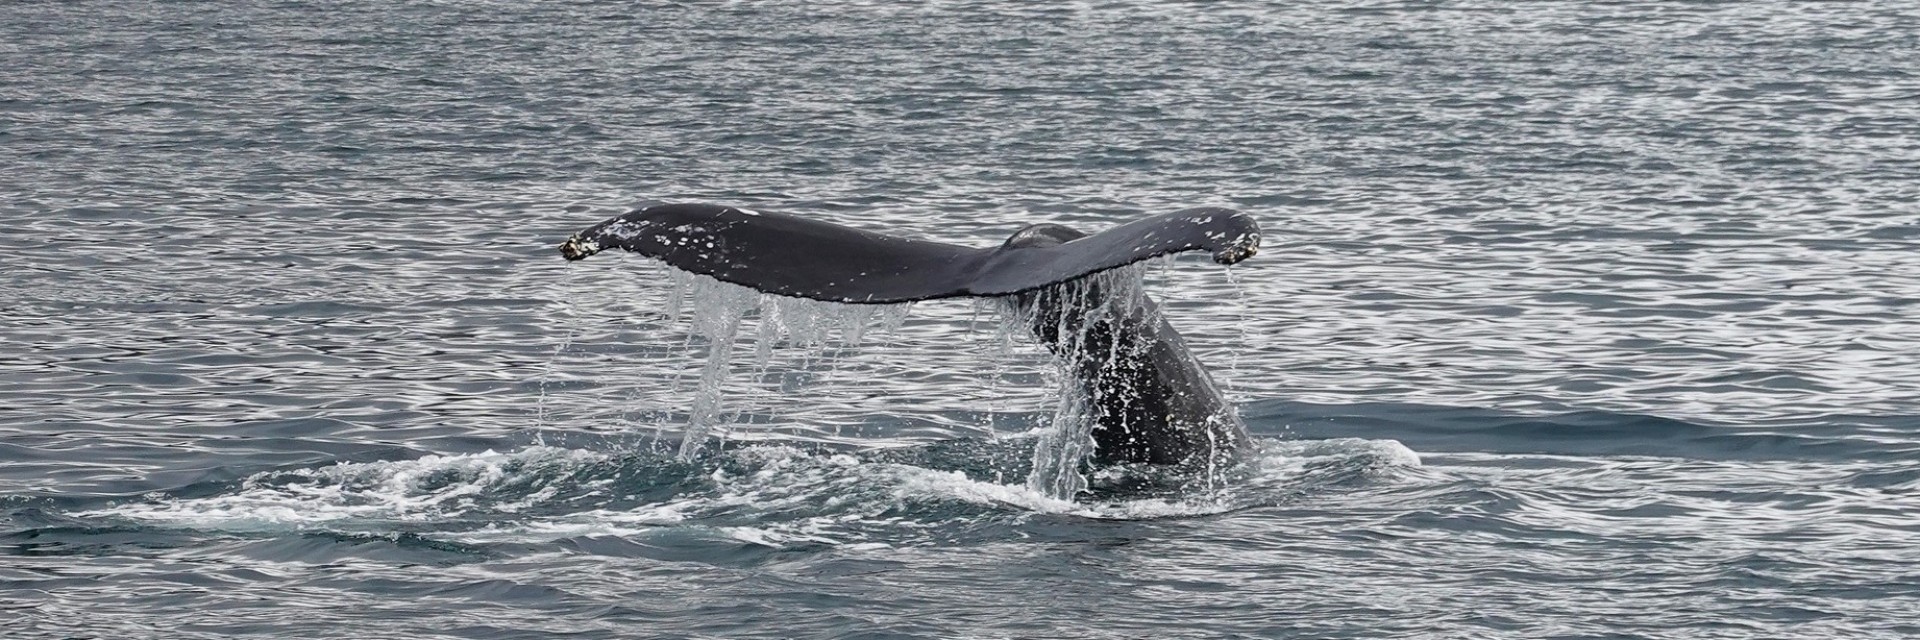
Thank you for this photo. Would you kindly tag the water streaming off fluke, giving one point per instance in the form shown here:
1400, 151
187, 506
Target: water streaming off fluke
1080, 321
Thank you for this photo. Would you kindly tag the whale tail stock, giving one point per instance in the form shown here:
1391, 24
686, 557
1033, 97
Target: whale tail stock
1152, 400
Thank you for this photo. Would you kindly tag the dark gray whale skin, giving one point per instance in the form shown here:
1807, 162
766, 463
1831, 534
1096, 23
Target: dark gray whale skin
1152, 400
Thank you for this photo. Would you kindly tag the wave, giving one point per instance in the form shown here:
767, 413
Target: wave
770, 496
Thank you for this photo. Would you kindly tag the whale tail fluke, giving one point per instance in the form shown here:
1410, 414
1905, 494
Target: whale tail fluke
795, 256
1151, 399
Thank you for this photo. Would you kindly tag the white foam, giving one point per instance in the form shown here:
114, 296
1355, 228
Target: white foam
1376, 453
915, 482
585, 524
764, 495
427, 488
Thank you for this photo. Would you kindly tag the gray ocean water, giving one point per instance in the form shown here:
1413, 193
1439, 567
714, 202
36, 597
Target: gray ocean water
1582, 319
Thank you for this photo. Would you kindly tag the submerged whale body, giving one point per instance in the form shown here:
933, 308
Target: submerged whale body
1151, 399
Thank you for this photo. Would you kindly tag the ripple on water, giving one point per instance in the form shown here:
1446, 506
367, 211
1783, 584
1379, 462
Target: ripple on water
1635, 279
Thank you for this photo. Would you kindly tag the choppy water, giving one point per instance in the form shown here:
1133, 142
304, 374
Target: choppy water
1574, 319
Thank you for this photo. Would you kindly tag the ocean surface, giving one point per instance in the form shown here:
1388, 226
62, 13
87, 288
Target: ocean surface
1581, 319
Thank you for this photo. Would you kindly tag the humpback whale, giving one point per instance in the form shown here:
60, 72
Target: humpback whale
1151, 399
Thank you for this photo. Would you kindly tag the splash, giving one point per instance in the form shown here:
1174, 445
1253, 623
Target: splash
1076, 318
718, 319
1089, 327
777, 496
572, 317
1099, 331
723, 313
430, 488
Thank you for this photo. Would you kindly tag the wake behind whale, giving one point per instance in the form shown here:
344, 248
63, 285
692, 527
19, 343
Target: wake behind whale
1139, 395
